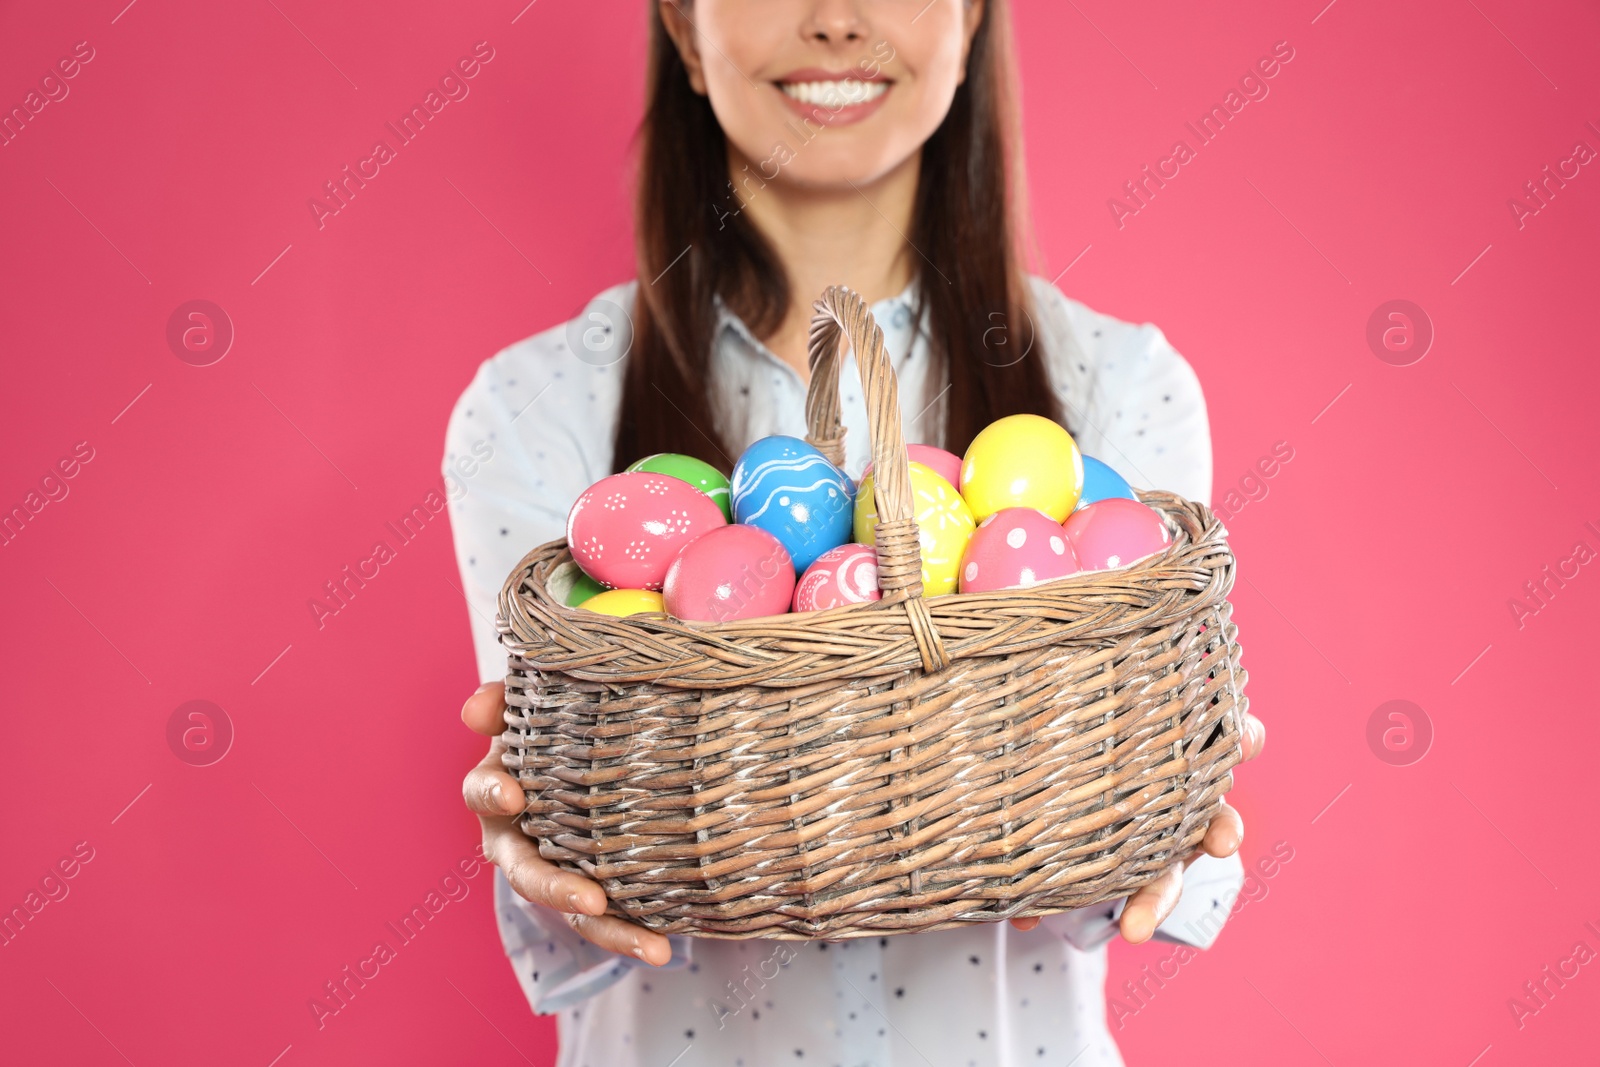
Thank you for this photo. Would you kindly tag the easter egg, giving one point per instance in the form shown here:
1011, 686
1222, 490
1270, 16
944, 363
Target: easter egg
1116, 532
1015, 548
944, 525
946, 465
844, 575
1022, 461
624, 530
789, 489
583, 587
698, 473
1100, 482
732, 572
625, 602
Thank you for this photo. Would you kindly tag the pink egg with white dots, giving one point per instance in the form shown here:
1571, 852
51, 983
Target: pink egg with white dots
1015, 548
1116, 532
625, 530
844, 575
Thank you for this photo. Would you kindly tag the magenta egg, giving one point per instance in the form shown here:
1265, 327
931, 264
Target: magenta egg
625, 530
1015, 548
844, 575
1116, 532
732, 572
942, 463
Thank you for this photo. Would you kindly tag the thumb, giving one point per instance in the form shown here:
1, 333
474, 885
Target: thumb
485, 710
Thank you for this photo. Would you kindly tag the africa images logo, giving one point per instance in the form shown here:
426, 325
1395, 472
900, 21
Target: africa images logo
1138, 192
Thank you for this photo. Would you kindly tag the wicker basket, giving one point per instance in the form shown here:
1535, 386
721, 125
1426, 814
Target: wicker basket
901, 765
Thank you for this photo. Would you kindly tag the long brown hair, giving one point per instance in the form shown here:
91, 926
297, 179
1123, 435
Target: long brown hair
966, 227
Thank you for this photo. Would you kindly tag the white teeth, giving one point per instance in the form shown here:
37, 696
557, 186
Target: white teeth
835, 94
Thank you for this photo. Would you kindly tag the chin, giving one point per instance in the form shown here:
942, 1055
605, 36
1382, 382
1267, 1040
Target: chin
840, 165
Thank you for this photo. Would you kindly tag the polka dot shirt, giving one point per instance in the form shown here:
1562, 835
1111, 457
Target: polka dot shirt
531, 432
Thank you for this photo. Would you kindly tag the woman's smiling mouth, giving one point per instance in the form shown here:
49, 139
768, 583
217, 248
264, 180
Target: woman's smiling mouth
833, 99
834, 94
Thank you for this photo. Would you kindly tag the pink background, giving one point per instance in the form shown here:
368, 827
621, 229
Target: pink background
1378, 566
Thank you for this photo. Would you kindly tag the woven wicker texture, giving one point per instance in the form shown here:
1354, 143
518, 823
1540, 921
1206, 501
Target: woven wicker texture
902, 765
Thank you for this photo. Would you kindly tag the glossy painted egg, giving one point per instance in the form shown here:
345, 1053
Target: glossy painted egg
844, 575
624, 530
698, 473
625, 602
1100, 482
1022, 461
1015, 548
789, 489
1116, 532
732, 572
583, 587
944, 524
946, 465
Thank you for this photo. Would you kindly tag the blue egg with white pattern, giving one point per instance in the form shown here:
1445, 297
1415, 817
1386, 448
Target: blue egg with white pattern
1100, 482
791, 490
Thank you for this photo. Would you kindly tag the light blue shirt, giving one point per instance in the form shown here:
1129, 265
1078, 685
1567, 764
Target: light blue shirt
533, 430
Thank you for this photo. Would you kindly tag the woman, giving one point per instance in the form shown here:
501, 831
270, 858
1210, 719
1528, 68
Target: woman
788, 145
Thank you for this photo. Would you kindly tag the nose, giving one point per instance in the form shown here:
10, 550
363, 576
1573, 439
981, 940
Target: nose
835, 22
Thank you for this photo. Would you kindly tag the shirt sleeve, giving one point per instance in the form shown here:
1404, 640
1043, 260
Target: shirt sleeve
523, 442
1211, 888
1130, 399
1134, 403
555, 967
513, 465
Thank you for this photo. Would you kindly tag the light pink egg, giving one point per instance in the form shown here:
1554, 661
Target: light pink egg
844, 575
942, 463
1116, 532
1015, 548
732, 572
625, 530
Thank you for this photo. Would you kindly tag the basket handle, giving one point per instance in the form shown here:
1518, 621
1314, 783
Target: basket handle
842, 316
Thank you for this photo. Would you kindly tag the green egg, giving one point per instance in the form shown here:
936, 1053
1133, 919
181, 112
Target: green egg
582, 589
703, 476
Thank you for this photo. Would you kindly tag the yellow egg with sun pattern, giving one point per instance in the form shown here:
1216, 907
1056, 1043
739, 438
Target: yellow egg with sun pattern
944, 524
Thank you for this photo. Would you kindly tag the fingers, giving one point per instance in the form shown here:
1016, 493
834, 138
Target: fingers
495, 796
623, 937
485, 709
1026, 924
1225, 832
535, 878
581, 901
489, 790
1252, 736
1150, 906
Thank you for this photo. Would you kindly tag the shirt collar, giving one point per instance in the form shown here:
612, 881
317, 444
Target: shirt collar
884, 311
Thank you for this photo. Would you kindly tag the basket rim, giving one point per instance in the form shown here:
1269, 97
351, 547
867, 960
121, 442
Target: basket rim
1195, 571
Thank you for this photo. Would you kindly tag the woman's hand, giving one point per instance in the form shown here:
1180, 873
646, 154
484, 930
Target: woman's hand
1150, 906
497, 799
